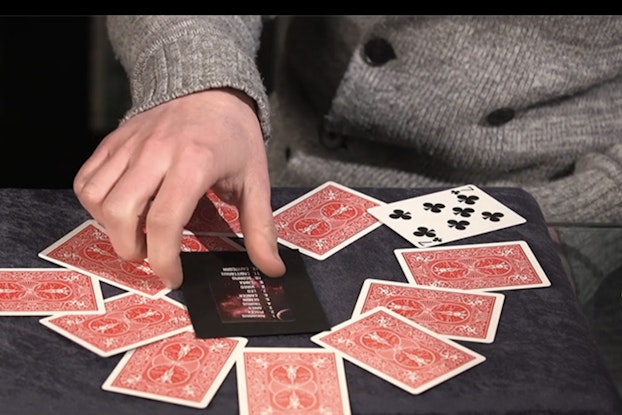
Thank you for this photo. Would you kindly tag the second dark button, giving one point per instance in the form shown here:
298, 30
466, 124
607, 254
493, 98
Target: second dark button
332, 140
378, 51
500, 116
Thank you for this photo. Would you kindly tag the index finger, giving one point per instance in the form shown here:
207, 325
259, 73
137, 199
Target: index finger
170, 211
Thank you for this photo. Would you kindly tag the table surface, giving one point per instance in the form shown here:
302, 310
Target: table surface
544, 358
592, 254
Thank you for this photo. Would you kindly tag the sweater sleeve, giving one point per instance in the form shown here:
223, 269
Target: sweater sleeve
591, 194
166, 57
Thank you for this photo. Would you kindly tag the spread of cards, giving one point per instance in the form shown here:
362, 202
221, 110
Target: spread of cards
412, 334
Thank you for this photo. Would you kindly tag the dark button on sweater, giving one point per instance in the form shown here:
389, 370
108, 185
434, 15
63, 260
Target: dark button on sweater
378, 51
500, 116
331, 140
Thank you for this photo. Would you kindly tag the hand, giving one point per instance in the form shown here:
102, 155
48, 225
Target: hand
153, 169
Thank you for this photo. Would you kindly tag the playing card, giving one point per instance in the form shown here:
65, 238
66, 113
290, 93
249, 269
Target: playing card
130, 320
46, 291
281, 381
457, 314
181, 369
494, 266
227, 295
446, 216
204, 243
212, 216
88, 249
325, 220
402, 352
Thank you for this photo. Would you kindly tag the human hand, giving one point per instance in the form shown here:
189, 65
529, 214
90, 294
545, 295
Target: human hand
153, 169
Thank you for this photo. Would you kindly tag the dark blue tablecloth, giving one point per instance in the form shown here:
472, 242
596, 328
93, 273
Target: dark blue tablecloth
543, 361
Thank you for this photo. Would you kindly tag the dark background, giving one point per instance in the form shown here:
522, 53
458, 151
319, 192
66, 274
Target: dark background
61, 92
48, 124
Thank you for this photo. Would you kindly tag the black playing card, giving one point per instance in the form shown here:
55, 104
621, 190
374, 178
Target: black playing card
227, 295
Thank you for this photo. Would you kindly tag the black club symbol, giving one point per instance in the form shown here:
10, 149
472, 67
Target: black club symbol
458, 224
468, 200
493, 217
423, 231
433, 207
400, 214
464, 212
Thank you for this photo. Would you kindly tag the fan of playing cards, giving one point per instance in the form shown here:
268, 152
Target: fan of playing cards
408, 333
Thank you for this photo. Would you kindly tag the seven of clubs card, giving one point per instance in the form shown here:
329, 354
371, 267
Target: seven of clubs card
446, 216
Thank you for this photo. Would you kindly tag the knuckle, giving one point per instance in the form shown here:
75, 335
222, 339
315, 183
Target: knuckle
129, 250
157, 219
89, 194
111, 212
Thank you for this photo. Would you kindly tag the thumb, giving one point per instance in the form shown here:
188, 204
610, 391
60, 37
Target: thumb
260, 238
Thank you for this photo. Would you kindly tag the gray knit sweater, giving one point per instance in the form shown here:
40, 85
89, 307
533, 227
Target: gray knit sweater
527, 101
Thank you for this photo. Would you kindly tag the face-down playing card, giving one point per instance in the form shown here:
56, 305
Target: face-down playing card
46, 291
180, 369
509, 265
212, 216
131, 320
457, 314
445, 216
282, 381
398, 350
227, 295
88, 249
325, 220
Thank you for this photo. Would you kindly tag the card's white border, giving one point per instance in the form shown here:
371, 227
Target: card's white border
95, 288
477, 358
48, 322
208, 394
341, 245
241, 373
91, 222
494, 316
545, 282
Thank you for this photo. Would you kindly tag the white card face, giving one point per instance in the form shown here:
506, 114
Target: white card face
509, 265
325, 220
445, 216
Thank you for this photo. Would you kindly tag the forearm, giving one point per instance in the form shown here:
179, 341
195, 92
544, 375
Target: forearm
166, 57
